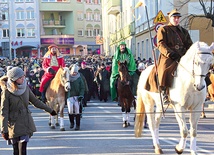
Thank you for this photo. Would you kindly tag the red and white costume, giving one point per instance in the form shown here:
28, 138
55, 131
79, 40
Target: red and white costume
53, 61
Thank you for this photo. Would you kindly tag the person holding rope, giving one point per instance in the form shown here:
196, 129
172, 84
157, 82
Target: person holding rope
75, 95
17, 124
173, 42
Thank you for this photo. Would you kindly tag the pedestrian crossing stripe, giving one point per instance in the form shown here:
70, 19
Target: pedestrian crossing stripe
160, 18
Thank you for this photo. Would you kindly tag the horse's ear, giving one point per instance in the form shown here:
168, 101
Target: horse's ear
118, 62
125, 62
197, 45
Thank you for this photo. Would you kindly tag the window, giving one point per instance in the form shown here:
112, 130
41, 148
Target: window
96, 17
89, 32
80, 15
20, 32
20, 15
19, 0
28, 0
96, 32
89, 16
30, 14
55, 0
4, 1
80, 32
5, 33
30, 32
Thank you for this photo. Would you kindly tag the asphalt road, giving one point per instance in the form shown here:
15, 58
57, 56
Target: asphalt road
102, 133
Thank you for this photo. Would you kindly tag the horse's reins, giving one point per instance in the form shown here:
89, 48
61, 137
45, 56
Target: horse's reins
193, 73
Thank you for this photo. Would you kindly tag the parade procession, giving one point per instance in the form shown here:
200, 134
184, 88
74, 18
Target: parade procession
111, 77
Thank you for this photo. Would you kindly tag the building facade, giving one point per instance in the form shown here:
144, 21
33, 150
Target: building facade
28, 27
19, 35
141, 25
72, 25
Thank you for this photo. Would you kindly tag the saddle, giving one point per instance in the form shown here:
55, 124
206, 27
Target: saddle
47, 84
151, 83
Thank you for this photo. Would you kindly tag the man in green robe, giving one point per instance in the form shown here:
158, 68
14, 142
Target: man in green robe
122, 54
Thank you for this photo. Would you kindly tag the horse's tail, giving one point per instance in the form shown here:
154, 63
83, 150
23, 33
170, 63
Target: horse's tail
140, 116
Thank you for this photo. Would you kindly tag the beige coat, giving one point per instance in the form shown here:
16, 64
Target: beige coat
170, 39
15, 116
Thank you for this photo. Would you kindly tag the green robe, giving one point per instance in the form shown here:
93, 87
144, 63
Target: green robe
118, 56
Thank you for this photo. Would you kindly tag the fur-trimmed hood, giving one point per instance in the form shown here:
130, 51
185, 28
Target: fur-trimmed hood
3, 82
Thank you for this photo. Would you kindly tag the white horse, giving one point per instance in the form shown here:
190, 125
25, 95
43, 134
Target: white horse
188, 92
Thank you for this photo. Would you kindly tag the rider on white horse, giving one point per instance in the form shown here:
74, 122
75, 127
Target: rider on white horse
173, 42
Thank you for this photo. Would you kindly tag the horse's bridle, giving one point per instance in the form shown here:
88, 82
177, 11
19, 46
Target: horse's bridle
127, 81
193, 73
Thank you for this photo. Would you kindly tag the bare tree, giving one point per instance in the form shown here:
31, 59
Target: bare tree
208, 10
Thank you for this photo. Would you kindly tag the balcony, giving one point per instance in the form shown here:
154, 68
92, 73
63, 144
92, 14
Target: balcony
113, 7
53, 23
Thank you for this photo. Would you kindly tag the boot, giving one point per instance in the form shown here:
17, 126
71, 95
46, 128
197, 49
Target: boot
71, 118
77, 122
165, 95
43, 97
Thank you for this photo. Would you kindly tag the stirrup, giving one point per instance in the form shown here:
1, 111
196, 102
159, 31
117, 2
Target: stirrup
165, 99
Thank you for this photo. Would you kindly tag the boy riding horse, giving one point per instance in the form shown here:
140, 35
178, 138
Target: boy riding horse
51, 63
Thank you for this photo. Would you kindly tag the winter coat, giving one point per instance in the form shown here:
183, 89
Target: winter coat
78, 88
170, 39
15, 116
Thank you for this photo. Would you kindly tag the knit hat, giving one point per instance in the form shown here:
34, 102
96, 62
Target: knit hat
83, 63
141, 66
74, 68
15, 73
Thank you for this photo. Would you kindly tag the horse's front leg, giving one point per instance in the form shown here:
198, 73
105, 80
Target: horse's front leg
52, 122
124, 114
154, 123
194, 118
180, 117
62, 128
155, 129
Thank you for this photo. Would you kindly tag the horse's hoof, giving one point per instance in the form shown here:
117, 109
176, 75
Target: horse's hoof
125, 124
57, 124
62, 129
158, 151
178, 151
203, 116
49, 124
52, 127
193, 153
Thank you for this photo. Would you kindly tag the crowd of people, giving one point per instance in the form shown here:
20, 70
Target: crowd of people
95, 69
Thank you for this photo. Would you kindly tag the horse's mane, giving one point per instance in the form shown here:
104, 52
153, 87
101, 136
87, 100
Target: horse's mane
197, 46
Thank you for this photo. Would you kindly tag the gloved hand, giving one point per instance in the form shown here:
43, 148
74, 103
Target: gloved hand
5, 136
51, 71
53, 113
80, 98
174, 56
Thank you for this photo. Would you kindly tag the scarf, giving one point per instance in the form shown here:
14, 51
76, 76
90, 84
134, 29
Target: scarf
73, 78
21, 88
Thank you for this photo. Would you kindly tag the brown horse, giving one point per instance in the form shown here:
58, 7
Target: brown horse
55, 95
125, 96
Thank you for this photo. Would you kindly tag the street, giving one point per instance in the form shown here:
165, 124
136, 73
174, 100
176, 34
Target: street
101, 132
